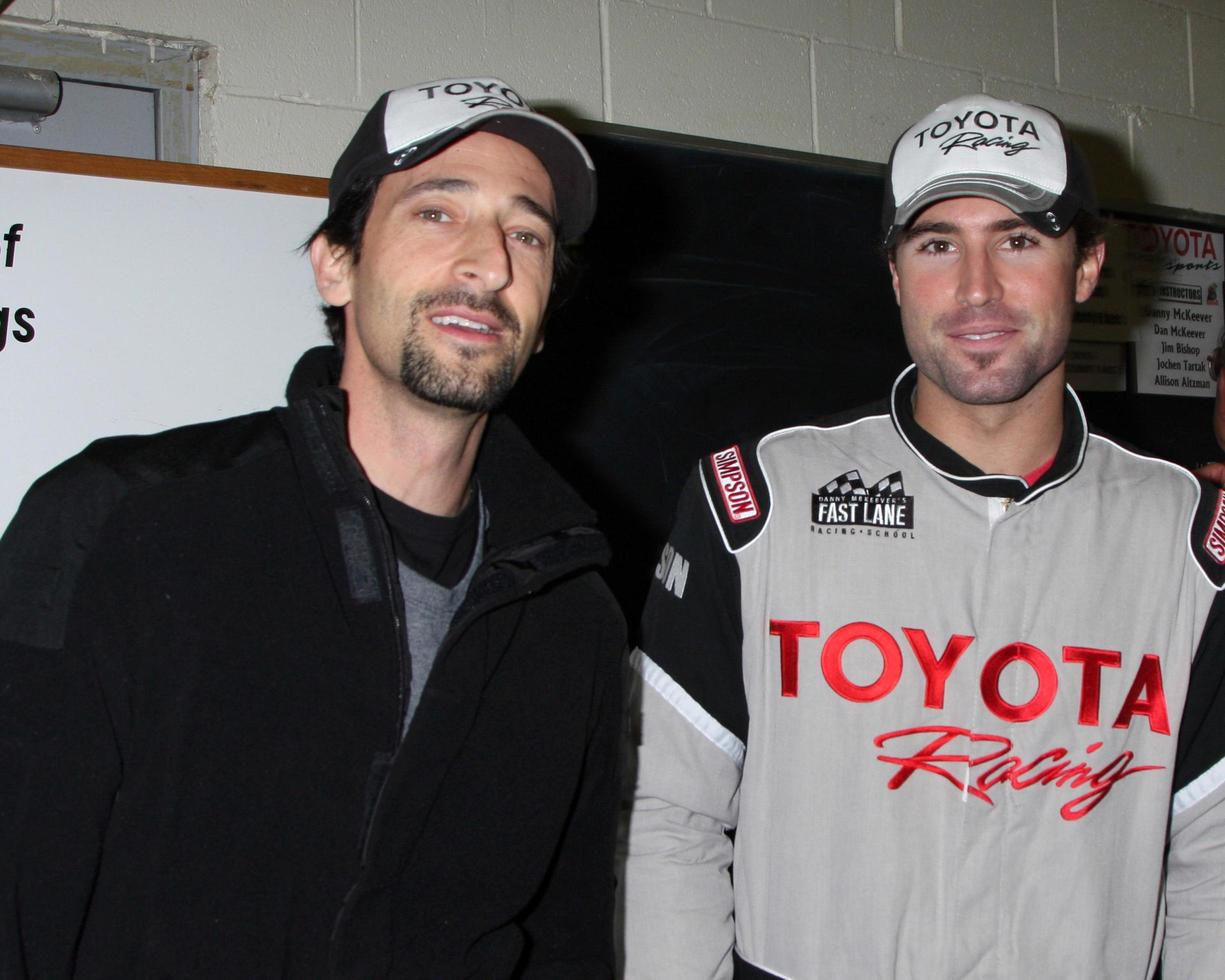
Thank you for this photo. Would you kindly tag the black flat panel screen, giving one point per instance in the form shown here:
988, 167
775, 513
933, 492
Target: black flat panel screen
728, 292
725, 294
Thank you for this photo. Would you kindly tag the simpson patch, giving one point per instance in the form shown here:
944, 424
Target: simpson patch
738, 495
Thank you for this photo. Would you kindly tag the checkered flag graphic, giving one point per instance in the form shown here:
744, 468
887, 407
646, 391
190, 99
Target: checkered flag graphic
850, 483
890, 486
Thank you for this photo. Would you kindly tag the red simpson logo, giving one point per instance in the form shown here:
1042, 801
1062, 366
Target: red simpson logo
738, 495
975, 763
1214, 541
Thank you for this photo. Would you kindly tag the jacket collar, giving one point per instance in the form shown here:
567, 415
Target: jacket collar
958, 470
526, 498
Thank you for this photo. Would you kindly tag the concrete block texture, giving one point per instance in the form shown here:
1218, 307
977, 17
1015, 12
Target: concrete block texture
692, 6
1132, 51
296, 48
1214, 7
865, 23
690, 74
32, 9
866, 99
548, 50
1007, 38
1208, 65
1100, 128
283, 137
1179, 159
840, 77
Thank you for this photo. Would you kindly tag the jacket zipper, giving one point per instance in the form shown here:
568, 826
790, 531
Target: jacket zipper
395, 599
520, 590
503, 597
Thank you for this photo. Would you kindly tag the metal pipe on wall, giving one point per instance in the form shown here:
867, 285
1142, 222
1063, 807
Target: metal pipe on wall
28, 94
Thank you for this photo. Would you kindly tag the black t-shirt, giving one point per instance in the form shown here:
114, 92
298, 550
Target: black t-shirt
439, 548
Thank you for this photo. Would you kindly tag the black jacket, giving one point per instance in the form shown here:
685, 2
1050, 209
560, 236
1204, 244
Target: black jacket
202, 676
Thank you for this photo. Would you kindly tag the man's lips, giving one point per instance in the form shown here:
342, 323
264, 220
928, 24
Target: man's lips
981, 328
465, 317
982, 340
983, 333
468, 323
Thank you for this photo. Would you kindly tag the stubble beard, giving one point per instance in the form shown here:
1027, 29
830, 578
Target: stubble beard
982, 386
987, 381
472, 385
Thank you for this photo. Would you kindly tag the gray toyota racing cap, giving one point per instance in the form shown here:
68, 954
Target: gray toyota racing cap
409, 125
1014, 154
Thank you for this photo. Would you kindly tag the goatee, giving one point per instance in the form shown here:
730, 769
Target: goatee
467, 386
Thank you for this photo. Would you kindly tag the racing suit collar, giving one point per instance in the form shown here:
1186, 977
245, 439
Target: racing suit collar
962, 472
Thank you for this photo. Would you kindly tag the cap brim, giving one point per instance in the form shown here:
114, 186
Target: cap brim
564, 157
1049, 213
567, 161
1018, 196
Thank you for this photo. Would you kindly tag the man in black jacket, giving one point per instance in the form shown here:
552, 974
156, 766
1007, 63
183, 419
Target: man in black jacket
332, 689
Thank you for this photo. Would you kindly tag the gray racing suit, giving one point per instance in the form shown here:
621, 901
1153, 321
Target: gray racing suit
937, 723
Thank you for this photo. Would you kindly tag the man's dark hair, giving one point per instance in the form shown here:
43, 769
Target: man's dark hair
344, 228
1089, 229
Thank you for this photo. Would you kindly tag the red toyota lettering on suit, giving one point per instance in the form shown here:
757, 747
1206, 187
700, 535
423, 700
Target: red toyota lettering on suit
1039, 662
1145, 698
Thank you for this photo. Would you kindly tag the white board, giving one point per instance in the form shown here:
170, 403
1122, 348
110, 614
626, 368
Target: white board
149, 305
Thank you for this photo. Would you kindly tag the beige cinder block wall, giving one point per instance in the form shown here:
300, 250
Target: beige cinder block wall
1142, 82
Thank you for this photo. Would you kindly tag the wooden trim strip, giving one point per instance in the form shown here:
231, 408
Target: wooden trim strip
129, 168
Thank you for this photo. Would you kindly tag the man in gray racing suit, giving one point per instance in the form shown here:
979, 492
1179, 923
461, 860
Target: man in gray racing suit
940, 681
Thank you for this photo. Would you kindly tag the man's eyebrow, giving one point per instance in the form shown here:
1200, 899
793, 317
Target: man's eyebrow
438, 184
928, 228
949, 228
458, 184
534, 207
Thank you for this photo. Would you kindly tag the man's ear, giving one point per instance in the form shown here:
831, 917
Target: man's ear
1089, 270
897, 296
333, 266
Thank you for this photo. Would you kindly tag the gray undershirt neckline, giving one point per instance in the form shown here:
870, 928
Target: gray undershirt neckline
429, 609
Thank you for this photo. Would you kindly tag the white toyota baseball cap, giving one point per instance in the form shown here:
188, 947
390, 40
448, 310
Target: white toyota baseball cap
1015, 154
409, 125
